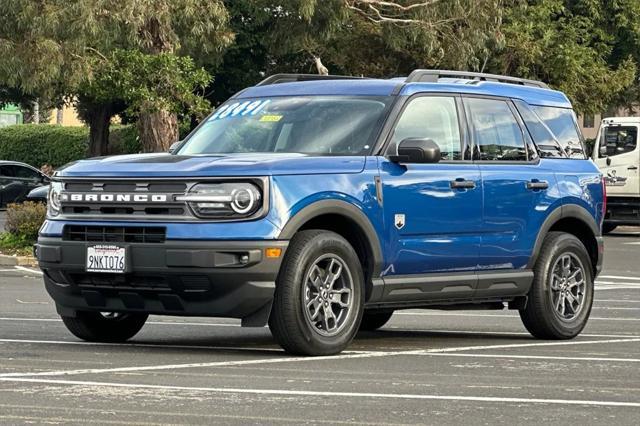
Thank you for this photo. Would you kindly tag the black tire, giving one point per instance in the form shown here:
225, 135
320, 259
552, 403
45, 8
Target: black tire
608, 227
540, 316
290, 320
374, 320
98, 327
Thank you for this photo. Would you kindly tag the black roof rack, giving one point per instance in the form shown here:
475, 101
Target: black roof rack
432, 76
288, 78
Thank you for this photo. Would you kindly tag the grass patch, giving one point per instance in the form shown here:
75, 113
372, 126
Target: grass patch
15, 246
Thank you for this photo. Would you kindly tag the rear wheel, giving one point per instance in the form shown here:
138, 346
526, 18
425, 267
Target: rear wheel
374, 320
105, 326
319, 295
608, 227
560, 299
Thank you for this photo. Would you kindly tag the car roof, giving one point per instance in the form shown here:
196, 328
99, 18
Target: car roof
15, 163
532, 95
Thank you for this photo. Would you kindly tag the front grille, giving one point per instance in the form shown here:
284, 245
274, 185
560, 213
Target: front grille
156, 199
114, 234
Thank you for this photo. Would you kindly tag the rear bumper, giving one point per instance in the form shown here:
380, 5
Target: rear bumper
191, 278
623, 211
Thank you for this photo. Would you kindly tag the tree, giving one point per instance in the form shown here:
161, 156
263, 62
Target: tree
287, 36
570, 45
51, 47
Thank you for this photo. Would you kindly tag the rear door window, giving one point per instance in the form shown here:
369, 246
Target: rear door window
562, 122
496, 132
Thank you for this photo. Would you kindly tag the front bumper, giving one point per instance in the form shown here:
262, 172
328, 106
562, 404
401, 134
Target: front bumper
190, 278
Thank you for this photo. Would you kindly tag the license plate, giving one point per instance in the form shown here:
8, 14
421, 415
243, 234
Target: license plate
106, 258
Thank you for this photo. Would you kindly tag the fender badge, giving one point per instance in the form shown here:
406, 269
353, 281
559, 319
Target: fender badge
399, 221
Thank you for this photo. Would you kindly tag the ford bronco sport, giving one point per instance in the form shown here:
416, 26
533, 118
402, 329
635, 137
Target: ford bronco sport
319, 205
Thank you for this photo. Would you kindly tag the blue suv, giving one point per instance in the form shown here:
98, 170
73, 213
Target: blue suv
319, 205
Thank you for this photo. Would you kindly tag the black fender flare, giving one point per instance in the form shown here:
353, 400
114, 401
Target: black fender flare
342, 208
573, 211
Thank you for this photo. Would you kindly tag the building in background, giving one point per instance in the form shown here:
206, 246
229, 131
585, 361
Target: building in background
10, 114
65, 116
589, 123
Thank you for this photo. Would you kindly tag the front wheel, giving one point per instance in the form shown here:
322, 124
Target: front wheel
560, 299
105, 326
319, 295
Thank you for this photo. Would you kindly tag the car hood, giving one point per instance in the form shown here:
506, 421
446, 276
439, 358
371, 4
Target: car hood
169, 165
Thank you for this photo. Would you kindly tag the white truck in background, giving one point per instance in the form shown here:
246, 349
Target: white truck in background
617, 155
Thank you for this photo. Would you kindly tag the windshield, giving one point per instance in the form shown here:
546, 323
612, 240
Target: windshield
320, 125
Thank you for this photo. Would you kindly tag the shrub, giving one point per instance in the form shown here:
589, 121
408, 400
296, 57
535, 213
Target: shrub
39, 144
23, 221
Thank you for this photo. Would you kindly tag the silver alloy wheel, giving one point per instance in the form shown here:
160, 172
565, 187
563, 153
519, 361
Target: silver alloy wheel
567, 283
327, 295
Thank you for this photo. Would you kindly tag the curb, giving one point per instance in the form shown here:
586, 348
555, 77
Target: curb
6, 260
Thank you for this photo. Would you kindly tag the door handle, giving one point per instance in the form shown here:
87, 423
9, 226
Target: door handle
537, 185
632, 168
461, 183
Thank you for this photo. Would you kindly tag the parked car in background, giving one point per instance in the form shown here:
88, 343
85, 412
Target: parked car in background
39, 195
17, 180
617, 155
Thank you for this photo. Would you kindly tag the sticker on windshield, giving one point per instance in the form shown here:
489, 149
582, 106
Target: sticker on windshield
240, 109
271, 118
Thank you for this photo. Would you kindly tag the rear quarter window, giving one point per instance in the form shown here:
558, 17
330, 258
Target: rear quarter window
562, 123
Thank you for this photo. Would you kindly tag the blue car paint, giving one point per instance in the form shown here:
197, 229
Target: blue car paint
491, 227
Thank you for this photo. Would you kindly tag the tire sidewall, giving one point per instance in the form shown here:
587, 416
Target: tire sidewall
326, 243
565, 244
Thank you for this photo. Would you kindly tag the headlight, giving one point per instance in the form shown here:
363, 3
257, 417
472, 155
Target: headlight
232, 200
53, 200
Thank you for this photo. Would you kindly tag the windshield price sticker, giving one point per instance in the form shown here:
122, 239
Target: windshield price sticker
239, 109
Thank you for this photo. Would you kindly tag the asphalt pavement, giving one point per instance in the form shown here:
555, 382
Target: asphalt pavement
428, 367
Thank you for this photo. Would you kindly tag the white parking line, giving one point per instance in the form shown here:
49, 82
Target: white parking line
619, 277
342, 395
364, 354
535, 357
33, 271
147, 345
512, 316
610, 283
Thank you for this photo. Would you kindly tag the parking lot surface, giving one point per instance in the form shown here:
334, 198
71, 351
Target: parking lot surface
434, 367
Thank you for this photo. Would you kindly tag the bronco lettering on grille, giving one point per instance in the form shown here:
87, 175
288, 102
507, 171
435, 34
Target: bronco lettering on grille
117, 198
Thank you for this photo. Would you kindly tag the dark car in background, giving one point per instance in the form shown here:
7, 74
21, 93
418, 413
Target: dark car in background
17, 180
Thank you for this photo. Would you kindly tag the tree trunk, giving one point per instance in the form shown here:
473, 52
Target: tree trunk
59, 116
157, 130
99, 119
36, 111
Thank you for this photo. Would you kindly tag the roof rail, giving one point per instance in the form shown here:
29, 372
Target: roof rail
432, 76
288, 78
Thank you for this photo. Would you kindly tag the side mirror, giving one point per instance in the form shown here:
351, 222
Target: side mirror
603, 151
417, 150
174, 146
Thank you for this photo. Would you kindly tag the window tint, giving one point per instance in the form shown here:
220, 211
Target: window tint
496, 132
561, 121
542, 136
431, 117
6, 171
25, 172
619, 139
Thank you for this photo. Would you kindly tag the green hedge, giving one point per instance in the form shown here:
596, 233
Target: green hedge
39, 144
